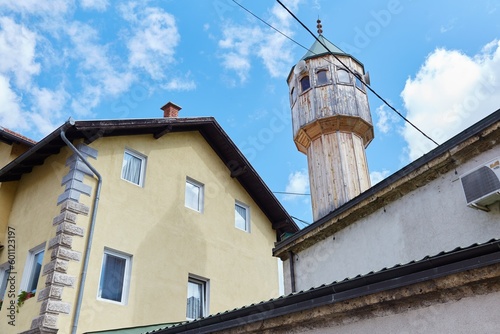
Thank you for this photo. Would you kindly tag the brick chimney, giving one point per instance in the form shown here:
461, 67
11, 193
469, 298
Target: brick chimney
170, 110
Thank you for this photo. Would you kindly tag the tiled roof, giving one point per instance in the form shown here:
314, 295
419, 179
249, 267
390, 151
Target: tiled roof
12, 136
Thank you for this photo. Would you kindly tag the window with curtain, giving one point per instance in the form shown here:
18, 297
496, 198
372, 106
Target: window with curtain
194, 195
133, 167
115, 275
196, 298
242, 220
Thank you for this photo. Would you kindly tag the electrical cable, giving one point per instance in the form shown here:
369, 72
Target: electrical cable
300, 220
331, 53
286, 193
369, 88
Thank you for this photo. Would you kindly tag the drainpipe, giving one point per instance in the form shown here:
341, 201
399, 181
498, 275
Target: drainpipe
91, 228
292, 270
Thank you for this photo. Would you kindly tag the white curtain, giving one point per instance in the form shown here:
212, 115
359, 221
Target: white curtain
194, 300
131, 170
241, 217
192, 196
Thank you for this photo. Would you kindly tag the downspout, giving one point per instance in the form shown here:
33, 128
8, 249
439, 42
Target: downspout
91, 228
292, 270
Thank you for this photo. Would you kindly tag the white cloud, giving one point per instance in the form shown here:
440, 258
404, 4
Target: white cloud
99, 73
450, 92
11, 115
155, 37
298, 183
386, 119
241, 43
376, 177
17, 52
47, 108
37, 7
180, 84
99, 5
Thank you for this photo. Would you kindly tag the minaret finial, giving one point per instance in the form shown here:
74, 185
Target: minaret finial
319, 26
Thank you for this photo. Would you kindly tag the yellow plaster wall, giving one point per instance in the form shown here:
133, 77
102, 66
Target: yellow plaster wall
33, 210
7, 190
167, 241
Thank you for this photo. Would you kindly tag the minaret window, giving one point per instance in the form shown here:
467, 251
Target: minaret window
305, 84
359, 83
343, 76
322, 77
293, 94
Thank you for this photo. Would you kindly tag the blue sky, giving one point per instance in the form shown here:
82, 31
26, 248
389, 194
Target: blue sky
438, 62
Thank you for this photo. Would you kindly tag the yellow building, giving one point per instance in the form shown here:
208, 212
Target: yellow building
165, 221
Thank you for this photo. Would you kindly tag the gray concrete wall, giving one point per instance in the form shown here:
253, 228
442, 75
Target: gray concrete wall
426, 221
478, 314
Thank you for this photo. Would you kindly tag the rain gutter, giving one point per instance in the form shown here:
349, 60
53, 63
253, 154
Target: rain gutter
91, 228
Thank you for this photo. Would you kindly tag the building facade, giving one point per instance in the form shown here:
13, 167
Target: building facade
165, 221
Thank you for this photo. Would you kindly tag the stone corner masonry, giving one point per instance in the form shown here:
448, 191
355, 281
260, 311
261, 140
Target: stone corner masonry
56, 271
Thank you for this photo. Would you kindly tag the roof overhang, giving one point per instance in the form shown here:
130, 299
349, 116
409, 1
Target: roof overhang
238, 166
10, 137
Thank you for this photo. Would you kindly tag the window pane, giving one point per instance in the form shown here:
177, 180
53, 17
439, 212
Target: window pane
293, 93
359, 83
131, 170
194, 300
304, 83
112, 277
241, 217
343, 76
35, 273
192, 196
322, 77
4, 274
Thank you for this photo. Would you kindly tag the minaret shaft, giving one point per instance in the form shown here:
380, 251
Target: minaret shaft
338, 171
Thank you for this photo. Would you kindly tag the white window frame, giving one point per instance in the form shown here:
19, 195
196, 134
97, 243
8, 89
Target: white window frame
28, 273
142, 172
247, 216
205, 294
201, 194
126, 276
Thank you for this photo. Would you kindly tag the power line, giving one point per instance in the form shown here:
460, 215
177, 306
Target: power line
368, 86
331, 53
300, 220
287, 193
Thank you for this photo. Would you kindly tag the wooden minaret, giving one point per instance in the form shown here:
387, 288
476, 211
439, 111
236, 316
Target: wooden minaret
332, 124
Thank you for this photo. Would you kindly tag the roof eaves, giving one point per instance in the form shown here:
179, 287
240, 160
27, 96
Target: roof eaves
213, 133
10, 137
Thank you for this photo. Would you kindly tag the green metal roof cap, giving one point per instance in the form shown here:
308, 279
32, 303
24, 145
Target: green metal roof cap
317, 49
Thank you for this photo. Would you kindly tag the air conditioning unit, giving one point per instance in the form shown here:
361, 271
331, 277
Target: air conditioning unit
482, 185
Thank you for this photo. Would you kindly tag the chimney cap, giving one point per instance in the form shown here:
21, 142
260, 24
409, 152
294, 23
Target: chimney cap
170, 109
